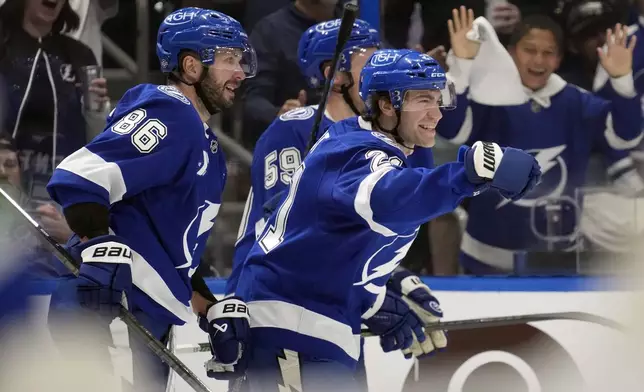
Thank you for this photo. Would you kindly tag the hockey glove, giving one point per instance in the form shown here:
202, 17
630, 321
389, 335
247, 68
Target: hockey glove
105, 278
396, 324
513, 172
228, 328
421, 301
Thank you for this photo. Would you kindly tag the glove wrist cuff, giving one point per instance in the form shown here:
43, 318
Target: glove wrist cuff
229, 307
112, 252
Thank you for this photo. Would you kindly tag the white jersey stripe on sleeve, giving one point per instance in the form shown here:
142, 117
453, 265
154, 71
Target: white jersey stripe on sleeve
362, 202
93, 168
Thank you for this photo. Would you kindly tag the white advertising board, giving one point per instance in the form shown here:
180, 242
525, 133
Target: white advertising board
543, 356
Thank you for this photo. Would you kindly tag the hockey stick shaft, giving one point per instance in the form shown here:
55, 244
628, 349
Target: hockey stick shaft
346, 25
128, 318
471, 324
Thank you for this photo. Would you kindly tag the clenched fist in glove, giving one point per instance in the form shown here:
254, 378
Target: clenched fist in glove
510, 171
395, 323
421, 301
228, 328
105, 277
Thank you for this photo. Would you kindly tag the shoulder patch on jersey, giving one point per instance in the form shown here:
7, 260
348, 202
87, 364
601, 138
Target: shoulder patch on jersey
386, 139
174, 93
298, 114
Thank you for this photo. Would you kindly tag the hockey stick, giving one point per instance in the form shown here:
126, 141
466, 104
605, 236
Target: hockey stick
346, 25
128, 318
470, 324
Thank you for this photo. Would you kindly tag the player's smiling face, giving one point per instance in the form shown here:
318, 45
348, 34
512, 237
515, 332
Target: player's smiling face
224, 78
536, 56
419, 116
46, 11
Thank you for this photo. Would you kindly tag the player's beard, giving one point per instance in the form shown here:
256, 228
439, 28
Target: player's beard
215, 93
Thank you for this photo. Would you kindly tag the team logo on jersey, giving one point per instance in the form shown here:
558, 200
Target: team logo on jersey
552, 165
298, 114
174, 93
67, 73
197, 232
214, 146
384, 57
384, 261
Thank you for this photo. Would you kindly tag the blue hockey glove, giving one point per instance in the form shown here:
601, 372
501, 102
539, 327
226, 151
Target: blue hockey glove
421, 301
105, 278
512, 172
228, 328
396, 324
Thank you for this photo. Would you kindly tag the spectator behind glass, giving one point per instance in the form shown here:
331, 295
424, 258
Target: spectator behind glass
585, 25
41, 68
46, 214
41, 274
560, 123
279, 85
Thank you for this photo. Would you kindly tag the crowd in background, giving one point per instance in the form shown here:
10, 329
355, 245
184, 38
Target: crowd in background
50, 110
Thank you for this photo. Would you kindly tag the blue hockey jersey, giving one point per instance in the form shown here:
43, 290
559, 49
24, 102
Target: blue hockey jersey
278, 153
161, 172
561, 126
321, 262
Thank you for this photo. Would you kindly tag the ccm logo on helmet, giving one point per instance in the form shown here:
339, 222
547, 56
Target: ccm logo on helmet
330, 25
180, 17
384, 58
437, 75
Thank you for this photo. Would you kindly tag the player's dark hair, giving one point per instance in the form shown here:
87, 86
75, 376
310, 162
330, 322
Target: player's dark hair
12, 13
540, 22
375, 113
175, 77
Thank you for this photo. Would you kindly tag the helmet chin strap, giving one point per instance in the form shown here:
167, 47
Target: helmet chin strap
344, 89
394, 131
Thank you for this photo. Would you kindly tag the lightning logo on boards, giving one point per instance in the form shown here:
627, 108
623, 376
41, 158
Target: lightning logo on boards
551, 162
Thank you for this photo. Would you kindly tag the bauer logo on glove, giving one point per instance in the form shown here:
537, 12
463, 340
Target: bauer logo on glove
228, 328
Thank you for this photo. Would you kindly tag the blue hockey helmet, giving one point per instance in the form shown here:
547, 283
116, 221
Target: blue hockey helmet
204, 32
398, 71
317, 45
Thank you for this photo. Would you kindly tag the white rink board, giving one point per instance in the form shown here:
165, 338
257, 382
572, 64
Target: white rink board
597, 351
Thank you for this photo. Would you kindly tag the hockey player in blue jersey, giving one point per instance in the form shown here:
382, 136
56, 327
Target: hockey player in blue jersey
560, 124
280, 149
320, 266
143, 195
